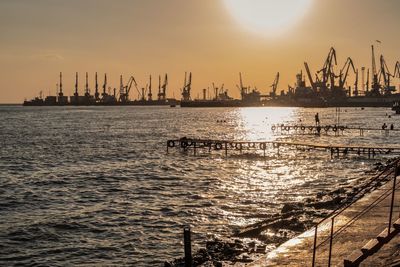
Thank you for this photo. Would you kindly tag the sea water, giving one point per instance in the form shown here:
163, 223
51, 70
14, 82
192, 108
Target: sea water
95, 185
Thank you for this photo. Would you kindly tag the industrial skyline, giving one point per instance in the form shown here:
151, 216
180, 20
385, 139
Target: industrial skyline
42, 38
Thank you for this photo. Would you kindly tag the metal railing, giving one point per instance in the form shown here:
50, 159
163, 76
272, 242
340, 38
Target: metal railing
392, 169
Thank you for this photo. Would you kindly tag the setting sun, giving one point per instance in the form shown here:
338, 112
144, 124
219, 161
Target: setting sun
267, 16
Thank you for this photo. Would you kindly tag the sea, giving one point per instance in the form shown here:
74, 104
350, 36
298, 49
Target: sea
90, 186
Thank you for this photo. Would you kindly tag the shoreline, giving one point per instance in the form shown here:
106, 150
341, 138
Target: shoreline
257, 240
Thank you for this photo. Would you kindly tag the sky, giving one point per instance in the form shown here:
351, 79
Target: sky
40, 38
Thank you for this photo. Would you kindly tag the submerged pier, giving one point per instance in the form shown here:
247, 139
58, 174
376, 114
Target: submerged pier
326, 129
229, 146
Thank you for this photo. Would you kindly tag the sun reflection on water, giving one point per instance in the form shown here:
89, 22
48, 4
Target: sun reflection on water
256, 123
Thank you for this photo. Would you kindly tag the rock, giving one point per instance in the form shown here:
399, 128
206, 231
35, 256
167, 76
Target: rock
261, 248
207, 264
288, 207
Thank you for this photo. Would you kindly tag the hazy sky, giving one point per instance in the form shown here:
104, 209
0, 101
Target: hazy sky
40, 38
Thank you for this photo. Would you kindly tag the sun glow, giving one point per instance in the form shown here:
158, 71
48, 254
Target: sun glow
268, 16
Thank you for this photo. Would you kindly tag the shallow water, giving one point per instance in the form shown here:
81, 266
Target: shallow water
94, 185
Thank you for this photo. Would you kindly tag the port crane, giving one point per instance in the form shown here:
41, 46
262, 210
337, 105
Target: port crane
76, 94
313, 85
344, 72
186, 88
274, 85
124, 96
385, 75
243, 90
164, 88
327, 69
162, 93
104, 94
355, 92
375, 86
87, 90
396, 72
150, 95
96, 94
159, 95
61, 94
141, 93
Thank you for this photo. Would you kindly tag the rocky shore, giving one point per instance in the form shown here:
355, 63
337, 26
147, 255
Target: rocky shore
256, 239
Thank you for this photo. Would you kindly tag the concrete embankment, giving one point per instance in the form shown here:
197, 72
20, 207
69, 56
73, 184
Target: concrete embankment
363, 222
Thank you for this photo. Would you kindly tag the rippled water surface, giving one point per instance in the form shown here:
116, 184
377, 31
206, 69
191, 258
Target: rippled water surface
94, 185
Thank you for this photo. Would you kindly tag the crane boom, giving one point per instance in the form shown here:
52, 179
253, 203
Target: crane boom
347, 65
275, 85
309, 76
164, 87
373, 61
396, 72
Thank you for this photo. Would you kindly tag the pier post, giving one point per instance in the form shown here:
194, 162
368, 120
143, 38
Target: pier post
188, 246
226, 149
264, 150
194, 148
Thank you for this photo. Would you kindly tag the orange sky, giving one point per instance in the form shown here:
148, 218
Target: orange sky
140, 37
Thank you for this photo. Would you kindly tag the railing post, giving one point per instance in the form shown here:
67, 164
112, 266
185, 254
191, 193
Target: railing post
392, 201
315, 245
188, 246
330, 243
